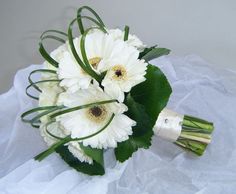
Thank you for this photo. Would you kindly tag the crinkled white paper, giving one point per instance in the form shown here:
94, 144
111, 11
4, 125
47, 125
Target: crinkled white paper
199, 89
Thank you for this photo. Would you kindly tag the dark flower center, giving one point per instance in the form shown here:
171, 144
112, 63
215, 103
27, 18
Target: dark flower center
95, 61
118, 73
96, 111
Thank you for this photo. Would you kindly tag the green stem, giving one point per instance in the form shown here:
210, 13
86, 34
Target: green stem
195, 134
200, 139
197, 123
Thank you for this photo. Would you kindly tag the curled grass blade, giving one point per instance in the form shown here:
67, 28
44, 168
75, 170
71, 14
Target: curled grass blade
39, 71
67, 139
80, 107
51, 134
126, 35
46, 110
84, 55
85, 67
34, 84
42, 49
79, 20
91, 20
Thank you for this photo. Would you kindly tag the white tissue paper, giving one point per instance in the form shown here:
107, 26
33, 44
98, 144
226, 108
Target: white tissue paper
199, 89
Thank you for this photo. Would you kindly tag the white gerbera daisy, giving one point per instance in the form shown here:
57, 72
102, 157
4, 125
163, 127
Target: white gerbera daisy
72, 75
49, 97
98, 48
73, 147
90, 120
125, 70
133, 40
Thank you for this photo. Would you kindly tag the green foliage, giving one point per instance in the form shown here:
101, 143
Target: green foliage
142, 132
195, 134
144, 102
146, 50
151, 53
97, 168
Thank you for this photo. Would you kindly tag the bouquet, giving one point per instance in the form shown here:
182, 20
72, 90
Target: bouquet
99, 91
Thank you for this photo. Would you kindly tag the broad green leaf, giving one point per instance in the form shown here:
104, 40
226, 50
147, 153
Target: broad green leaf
95, 154
155, 53
142, 132
146, 50
138, 113
154, 93
127, 148
96, 168
144, 102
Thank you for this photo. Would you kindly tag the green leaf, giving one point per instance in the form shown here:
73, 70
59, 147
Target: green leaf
125, 149
154, 93
142, 132
138, 113
146, 50
95, 154
144, 102
155, 53
96, 168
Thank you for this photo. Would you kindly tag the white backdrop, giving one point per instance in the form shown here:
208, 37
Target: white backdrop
206, 28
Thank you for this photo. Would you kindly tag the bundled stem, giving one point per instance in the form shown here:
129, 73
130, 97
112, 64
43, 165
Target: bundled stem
188, 132
195, 134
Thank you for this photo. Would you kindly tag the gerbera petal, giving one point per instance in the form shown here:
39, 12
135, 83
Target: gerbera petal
133, 40
113, 90
81, 123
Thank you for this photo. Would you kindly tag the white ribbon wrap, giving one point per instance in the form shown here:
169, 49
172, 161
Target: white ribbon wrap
168, 125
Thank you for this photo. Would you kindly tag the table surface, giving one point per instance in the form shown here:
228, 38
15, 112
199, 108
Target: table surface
204, 28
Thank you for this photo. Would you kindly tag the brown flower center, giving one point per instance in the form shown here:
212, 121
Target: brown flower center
95, 61
97, 113
119, 72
